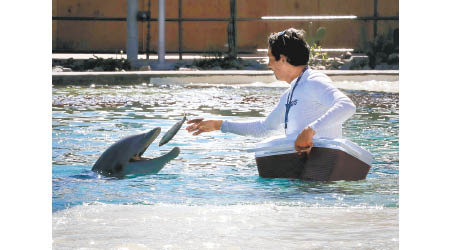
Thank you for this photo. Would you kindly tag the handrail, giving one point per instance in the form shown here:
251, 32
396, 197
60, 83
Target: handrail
225, 19
231, 19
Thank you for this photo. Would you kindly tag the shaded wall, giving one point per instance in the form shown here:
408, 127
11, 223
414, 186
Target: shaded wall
110, 36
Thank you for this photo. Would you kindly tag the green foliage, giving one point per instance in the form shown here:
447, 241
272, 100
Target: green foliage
316, 53
317, 37
98, 63
227, 62
317, 57
381, 49
363, 44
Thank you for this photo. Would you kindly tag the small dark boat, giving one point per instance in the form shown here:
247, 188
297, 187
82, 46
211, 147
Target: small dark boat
329, 160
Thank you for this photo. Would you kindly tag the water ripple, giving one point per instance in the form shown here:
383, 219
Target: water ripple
211, 168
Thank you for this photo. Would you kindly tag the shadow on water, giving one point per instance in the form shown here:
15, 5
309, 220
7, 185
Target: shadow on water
85, 175
317, 187
91, 175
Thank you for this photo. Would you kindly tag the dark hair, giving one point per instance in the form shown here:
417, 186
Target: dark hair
291, 44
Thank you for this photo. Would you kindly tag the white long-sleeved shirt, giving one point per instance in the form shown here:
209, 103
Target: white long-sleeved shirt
315, 103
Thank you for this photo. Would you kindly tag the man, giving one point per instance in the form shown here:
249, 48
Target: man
312, 106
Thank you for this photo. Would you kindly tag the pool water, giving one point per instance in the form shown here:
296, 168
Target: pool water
210, 196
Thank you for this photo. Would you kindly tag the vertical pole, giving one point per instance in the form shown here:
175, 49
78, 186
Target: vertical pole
375, 21
132, 32
180, 31
232, 46
161, 32
147, 47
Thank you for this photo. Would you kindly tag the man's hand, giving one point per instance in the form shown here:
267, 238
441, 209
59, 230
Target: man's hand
199, 126
304, 141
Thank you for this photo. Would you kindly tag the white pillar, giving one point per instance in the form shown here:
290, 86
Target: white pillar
132, 31
161, 32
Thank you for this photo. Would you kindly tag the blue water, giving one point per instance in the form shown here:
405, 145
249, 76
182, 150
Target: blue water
214, 168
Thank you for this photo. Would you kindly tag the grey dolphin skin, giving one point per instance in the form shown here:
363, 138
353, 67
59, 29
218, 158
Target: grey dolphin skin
124, 157
172, 132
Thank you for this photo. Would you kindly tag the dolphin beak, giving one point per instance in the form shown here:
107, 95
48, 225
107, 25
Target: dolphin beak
146, 140
142, 165
151, 165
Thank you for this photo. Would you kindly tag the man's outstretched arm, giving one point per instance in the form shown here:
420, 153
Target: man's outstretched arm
199, 125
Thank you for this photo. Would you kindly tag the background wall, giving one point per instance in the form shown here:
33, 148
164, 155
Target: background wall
110, 36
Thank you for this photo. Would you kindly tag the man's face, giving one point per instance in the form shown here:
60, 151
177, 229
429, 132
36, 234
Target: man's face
277, 66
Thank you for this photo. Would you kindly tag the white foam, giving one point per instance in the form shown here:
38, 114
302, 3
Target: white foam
369, 85
372, 85
263, 226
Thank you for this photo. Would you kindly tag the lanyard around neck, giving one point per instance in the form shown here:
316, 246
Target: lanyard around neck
289, 98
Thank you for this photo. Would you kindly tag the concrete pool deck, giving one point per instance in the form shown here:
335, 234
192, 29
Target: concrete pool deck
207, 76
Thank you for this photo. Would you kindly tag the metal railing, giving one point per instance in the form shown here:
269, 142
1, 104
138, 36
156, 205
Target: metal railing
232, 32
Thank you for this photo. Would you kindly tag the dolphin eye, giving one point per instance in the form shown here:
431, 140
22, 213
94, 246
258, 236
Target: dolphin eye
118, 168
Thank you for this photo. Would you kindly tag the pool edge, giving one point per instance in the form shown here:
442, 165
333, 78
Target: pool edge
224, 77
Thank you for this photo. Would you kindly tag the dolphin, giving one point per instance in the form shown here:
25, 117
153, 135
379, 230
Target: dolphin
125, 156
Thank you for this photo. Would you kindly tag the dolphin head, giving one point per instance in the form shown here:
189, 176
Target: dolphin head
145, 140
115, 160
